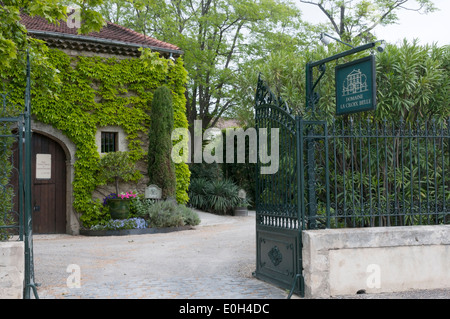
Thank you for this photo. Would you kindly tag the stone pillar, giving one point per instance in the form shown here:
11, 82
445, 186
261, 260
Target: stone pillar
12, 267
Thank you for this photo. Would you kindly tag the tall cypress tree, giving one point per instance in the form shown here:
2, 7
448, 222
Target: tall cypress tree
161, 169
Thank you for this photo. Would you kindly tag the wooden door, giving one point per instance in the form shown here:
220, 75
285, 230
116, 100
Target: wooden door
49, 186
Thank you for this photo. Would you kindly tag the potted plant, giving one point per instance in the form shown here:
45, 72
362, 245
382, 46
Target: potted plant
119, 204
116, 167
242, 207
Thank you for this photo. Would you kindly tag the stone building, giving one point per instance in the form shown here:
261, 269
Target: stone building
54, 152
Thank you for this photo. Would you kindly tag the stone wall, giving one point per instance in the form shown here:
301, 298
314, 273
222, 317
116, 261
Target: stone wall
12, 267
375, 260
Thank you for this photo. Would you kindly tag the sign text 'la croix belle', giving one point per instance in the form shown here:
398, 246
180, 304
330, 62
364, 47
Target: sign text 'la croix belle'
356, 86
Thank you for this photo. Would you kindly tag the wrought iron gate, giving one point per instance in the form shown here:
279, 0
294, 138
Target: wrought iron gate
278, 204
15, 178
342, 175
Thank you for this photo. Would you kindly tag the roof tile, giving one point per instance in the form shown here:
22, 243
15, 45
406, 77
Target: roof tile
110, 31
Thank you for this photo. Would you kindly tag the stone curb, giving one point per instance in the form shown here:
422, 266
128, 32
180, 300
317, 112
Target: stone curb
125, 232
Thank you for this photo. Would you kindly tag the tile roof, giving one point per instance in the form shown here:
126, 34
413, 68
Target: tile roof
227, 123
110, 31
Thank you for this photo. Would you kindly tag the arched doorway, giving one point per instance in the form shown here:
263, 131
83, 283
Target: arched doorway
48, 185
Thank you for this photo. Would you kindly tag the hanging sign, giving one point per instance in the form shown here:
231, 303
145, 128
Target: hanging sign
356, 86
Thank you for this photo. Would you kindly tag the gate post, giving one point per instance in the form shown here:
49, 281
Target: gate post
300, 173
311, 164
28, 229
309, 211
299, 279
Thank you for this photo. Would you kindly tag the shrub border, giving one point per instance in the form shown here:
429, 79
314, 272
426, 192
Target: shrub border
125, 232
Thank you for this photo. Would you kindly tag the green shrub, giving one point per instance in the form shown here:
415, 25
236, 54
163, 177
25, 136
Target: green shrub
242, 174
207, 171
216, 196
197, 193
6, 190
6, 217
189, 216
140, 206
164, 213
222, 196
117, 166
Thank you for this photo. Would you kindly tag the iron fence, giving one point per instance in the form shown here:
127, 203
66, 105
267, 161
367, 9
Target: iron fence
11, 179
342, 174
368, 174
15, 177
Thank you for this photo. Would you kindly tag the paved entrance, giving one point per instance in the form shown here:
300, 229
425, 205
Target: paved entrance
214, 260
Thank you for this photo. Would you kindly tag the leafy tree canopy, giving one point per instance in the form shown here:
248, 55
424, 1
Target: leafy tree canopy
217, 38
412, 82
13, 34
357, 18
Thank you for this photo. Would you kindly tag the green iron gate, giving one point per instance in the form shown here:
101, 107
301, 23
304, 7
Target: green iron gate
278, 204
342, 174
15, 178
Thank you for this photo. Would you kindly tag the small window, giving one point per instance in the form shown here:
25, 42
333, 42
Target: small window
109, 142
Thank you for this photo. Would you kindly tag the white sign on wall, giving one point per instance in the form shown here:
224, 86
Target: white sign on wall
43, 166
153, 192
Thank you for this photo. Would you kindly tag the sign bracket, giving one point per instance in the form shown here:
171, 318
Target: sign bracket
313, 97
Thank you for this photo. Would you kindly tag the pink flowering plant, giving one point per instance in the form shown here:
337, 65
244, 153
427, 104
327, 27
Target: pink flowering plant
127, 195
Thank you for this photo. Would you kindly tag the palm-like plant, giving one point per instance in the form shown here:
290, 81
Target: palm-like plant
222, 196
197, 193
218, 196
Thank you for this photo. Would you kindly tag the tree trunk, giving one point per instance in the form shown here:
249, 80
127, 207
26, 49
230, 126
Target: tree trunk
117, 185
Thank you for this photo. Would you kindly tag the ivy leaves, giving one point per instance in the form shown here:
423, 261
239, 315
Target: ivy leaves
13, 34
95, 92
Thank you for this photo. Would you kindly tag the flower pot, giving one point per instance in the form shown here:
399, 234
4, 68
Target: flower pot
240, 211
119, 208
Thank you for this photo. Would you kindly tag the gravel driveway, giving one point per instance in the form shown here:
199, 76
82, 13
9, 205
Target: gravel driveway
219, 252
213, 260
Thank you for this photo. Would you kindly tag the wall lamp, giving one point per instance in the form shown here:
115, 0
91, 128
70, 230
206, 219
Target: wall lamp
325, 38
382, 46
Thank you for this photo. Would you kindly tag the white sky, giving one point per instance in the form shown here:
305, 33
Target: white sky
428, 28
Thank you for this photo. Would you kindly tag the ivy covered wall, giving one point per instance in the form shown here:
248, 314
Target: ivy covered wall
92, 92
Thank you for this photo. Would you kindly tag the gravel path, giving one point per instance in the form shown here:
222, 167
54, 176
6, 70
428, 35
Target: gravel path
214, 260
